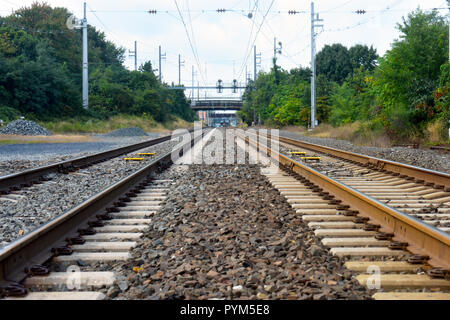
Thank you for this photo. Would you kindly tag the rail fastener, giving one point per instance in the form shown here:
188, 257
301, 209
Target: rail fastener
134, 159
298, 152
146, 154
307, 159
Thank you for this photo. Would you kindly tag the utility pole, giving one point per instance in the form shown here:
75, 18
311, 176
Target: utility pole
246, 75
180, 64
192, 83
314, 19
134, 54
276, 49
448, 4
85, 62
161, 57
256, 63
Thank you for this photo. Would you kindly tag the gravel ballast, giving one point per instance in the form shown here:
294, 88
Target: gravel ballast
18, 157
417, 157
127, 132
225, 233
26, 128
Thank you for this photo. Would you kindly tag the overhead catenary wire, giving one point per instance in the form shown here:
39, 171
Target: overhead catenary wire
244, 61
256, 37
190, 41
104, 25
388, 8
193, 37
373, 14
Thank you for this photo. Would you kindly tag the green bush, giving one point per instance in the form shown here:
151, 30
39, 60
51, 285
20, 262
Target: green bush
9, 114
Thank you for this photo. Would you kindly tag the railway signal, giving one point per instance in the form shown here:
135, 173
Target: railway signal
234, 86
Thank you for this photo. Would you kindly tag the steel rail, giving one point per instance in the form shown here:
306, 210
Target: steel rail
439, 179
27, 177
422, 238
35, 247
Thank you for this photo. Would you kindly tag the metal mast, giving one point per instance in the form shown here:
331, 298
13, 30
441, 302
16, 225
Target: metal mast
85, 89
314, 19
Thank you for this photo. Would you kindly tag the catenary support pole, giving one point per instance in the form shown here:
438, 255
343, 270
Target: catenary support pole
313, 69
135, 55
85, 89
159, 69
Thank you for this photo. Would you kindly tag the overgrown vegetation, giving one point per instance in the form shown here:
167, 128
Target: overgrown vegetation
90, 125
40, 74
402, 96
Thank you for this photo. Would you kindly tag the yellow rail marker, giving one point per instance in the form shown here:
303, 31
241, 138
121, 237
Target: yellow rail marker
146, 154
134, 159
297, 152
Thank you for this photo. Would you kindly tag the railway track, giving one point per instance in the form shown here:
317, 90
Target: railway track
103, 228
388, 219
396, 255
423, 199
16, 181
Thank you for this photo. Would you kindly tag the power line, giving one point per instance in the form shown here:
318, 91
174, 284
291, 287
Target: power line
340, 6
11, 3
193, 36
257, 33
104, 25
388, 8
244, 61
190, 42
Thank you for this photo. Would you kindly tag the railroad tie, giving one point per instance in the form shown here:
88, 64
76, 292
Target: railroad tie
347, 238
113, 241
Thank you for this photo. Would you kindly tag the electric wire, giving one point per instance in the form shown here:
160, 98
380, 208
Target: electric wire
244, 61
256, 37
190, 42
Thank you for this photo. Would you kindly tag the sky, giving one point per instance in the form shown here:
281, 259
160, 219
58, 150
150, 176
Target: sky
223, 42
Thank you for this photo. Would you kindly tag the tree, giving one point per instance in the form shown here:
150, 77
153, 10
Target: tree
363, 56
334, 62
442, 98
408, 74
354, 100
40, 72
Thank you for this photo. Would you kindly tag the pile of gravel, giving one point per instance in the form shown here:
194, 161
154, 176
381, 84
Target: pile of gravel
127, 132
25, 127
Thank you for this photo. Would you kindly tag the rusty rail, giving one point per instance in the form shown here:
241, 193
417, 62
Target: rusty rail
439, 179
422, 238
30, 176
35, 247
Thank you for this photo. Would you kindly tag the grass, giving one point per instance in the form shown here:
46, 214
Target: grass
114, 123
436, 134
77, 130
12, 141
361, 134
357, 133
15, 139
